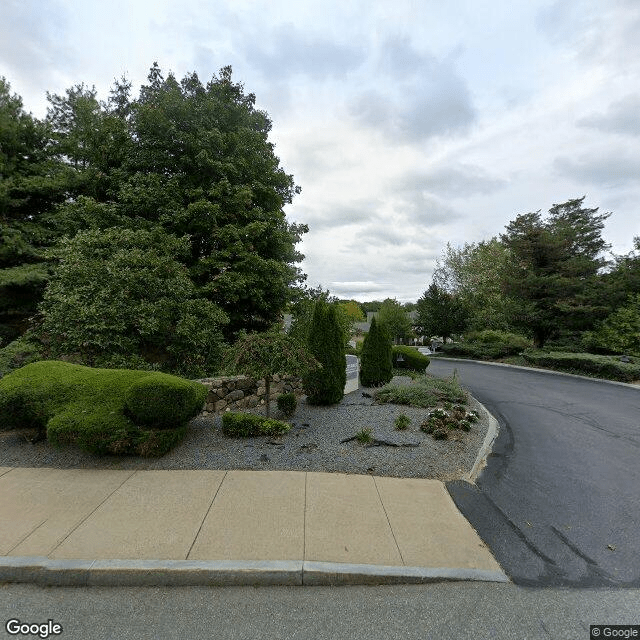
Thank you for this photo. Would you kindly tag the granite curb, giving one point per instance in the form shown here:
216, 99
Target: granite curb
487, 445
159, 573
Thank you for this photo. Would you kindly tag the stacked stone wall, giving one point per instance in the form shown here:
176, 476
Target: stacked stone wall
240, 392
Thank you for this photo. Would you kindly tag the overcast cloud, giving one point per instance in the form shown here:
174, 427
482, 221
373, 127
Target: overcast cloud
407, 125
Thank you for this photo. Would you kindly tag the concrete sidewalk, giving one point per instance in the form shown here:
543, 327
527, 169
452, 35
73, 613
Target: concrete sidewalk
84, 526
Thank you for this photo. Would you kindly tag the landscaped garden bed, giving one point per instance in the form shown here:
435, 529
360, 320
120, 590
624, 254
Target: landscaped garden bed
314, 443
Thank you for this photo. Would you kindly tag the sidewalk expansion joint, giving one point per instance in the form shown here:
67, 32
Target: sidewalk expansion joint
215, 495
83, 520
386, 515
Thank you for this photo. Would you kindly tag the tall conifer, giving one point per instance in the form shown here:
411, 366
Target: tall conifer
326, 344
376, 368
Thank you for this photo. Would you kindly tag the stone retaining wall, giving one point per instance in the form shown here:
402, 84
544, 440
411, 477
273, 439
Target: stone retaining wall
240, 392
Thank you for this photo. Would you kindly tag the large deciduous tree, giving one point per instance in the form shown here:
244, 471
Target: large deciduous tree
202, 165
395, 318
475, 273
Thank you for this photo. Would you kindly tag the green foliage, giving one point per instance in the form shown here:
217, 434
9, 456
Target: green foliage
402, 422
413, 359
287, 403
475, 274
189, 158
492, 336
160, 400
441, 313
620, 332
487, 345
240, 425
351, 309
325, 385
261, 355
119, 295
17, 354
31, 184
87, 407
586, 364
375, 365
440, 423
553, 275
423, 392
364, 436
303, 307
623, 279
394, 317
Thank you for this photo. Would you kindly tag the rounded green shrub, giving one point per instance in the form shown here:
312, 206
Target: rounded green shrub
86, 407
375, 364
287, 403
163, 401
249, 424
412, 359
402, 422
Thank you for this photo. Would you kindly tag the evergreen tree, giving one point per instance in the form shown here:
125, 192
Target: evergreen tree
441, 313
376, 367
555, 264
190, 158
326, 345
31, 184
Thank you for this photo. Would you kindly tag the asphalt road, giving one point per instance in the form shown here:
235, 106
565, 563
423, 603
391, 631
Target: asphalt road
408, 612
559, 500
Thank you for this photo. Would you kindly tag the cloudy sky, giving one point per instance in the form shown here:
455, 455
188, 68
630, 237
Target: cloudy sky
407, 123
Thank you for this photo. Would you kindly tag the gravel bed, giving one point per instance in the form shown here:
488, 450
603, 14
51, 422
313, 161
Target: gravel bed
313, 444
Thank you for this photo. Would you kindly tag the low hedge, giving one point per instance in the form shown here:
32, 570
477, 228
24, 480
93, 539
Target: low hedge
585, 363
413, 359
95, 410
488, 345
249, 424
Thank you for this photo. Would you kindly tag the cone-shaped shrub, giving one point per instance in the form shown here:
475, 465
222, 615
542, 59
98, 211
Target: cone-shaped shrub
326, 344
375, 361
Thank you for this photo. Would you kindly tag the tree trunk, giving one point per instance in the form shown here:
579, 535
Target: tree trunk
267, 394
539, 338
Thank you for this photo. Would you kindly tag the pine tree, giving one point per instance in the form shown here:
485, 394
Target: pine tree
553, 276
326, 344
376, 367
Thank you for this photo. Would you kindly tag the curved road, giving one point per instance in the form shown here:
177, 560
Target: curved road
559, 500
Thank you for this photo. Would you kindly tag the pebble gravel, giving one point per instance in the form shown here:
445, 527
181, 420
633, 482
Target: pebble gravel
313, 444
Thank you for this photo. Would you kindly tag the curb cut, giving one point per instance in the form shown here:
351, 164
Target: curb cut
538, 370
161, 573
